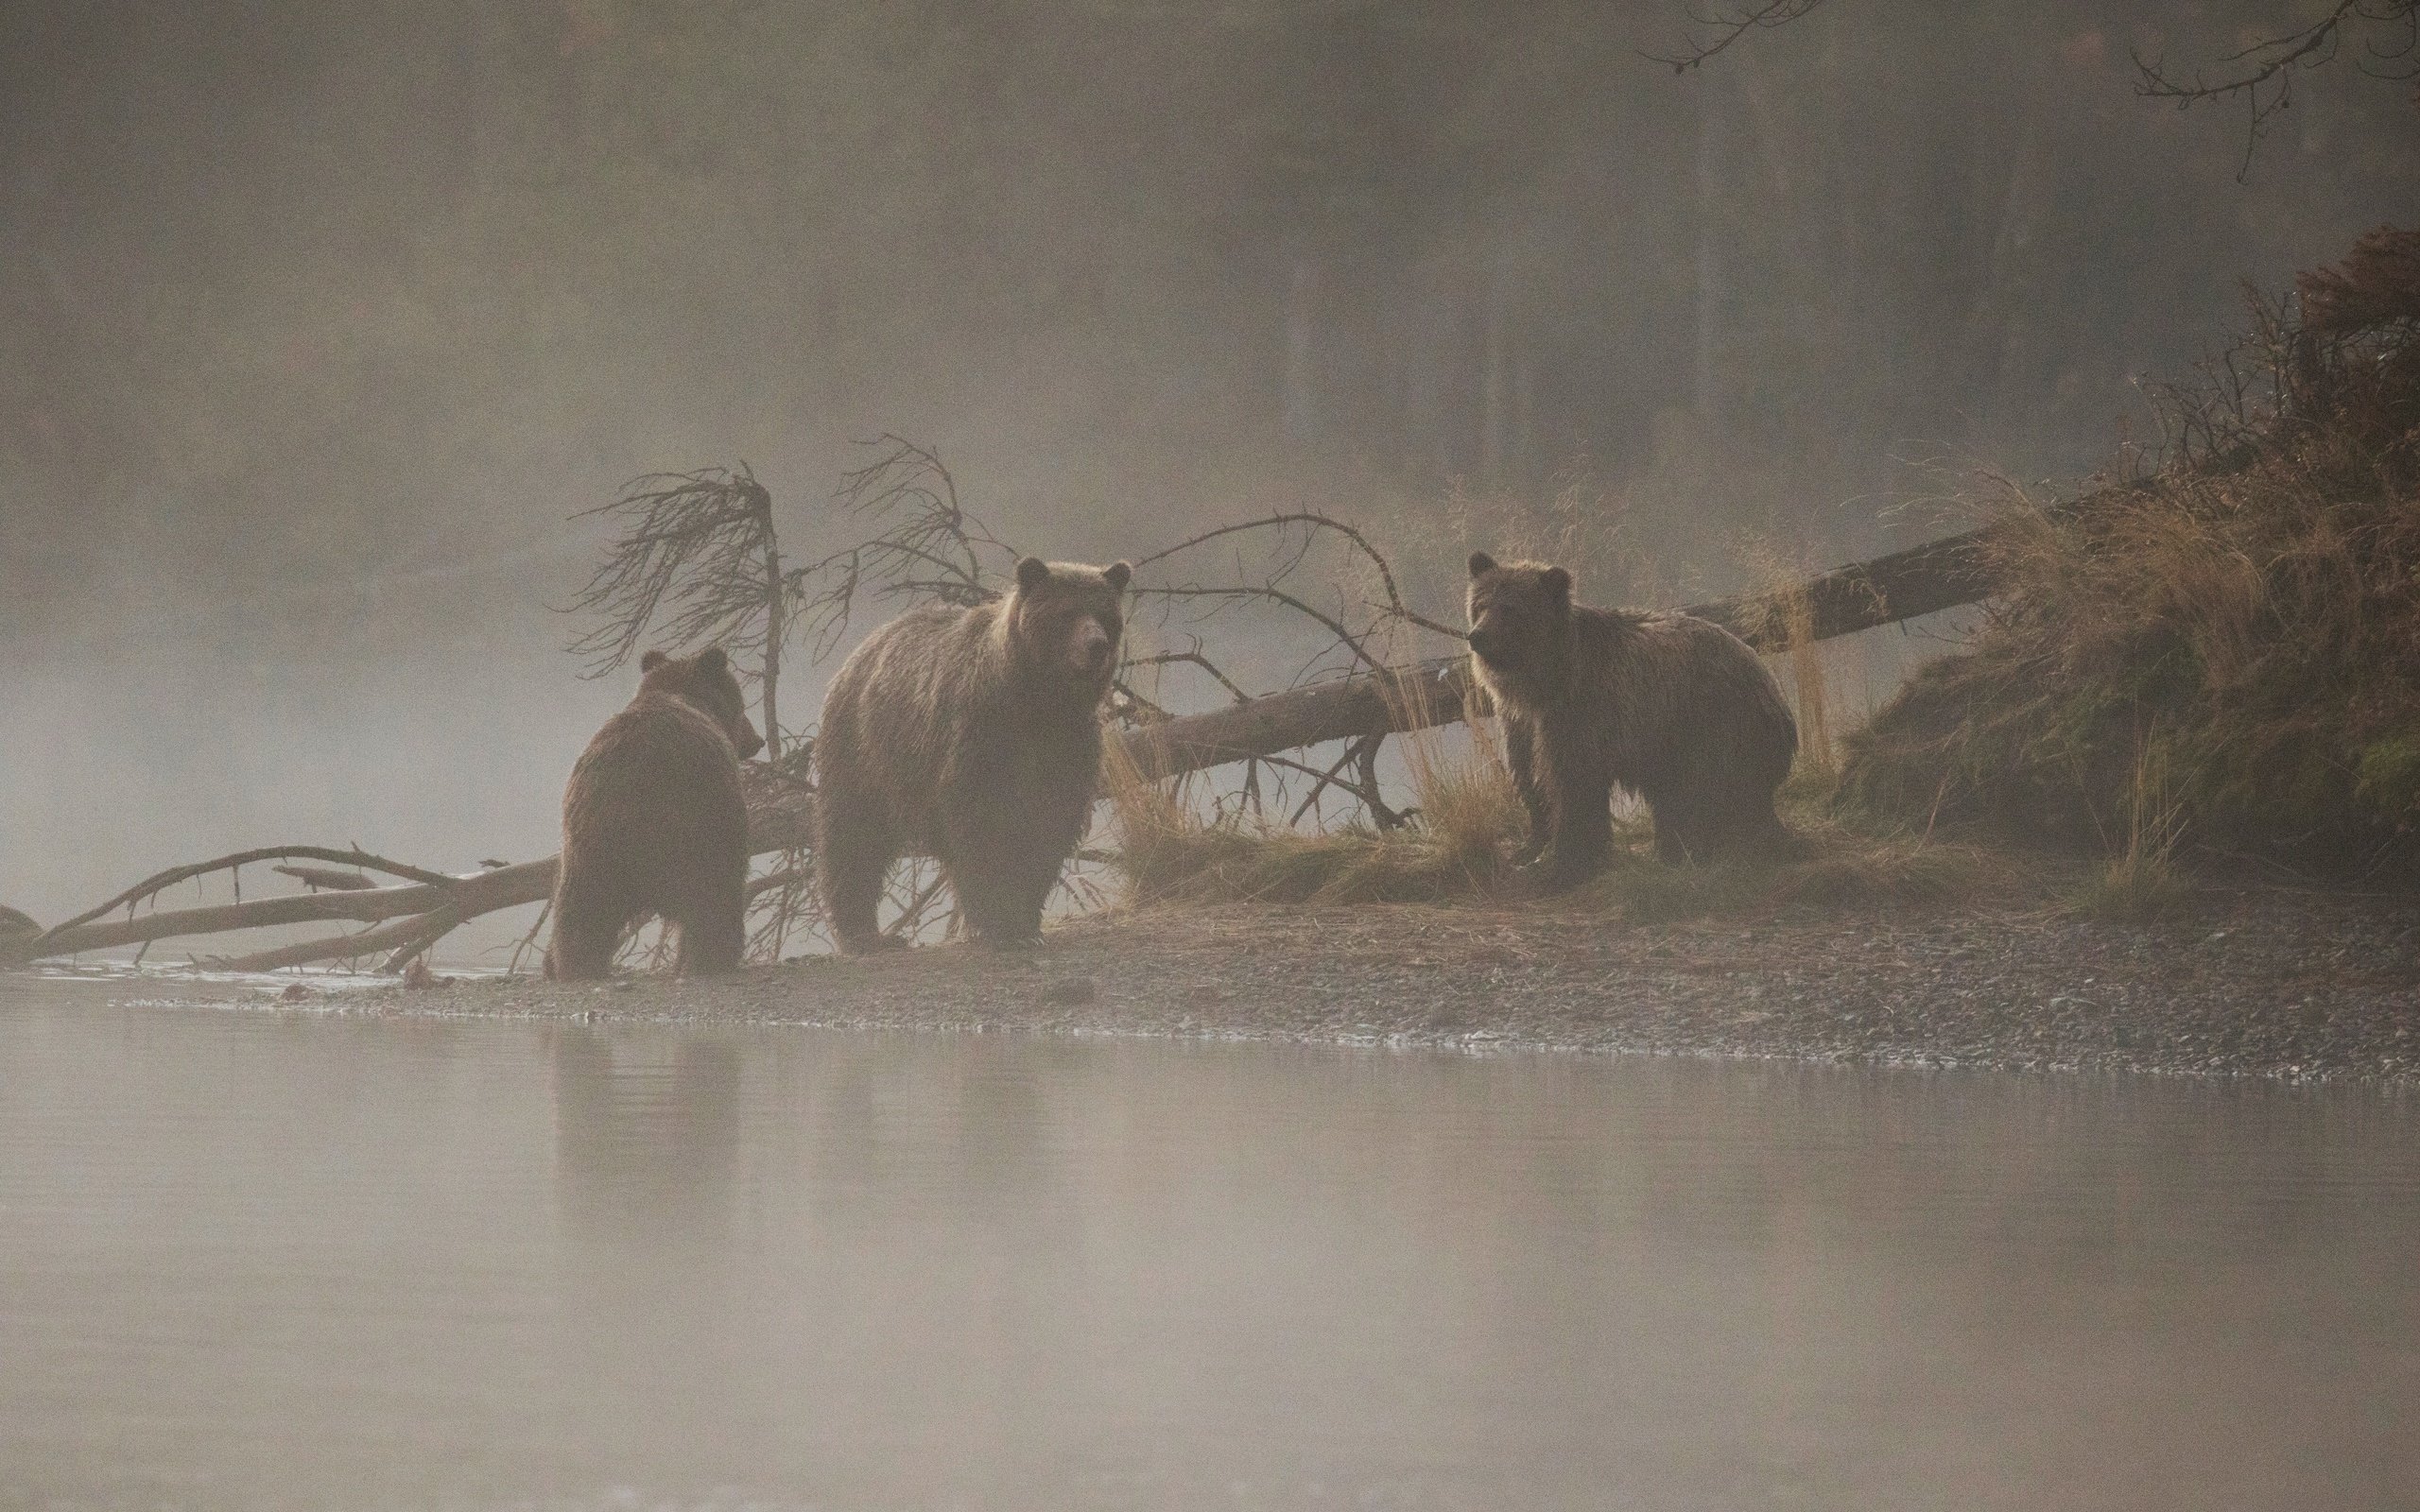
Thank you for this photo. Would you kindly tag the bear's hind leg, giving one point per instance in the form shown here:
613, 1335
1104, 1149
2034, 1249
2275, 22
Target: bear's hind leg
1678, 838
712, 928
588, 929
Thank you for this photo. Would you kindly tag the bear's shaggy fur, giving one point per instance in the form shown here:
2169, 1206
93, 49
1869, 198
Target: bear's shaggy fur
973, 735
1675, 708
654, 822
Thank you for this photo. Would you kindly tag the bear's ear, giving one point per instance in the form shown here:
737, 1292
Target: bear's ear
1558, 583
1118, 575
652, 661
1481, 563
1032, 571
711, 659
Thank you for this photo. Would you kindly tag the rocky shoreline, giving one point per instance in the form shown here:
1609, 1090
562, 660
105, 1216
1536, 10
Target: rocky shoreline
2275, 983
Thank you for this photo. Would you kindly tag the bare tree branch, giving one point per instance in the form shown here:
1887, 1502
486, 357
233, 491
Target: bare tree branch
2262, 75
699, 564
910, 491
1728, 27
152, 886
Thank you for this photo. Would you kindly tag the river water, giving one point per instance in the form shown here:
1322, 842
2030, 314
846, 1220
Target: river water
253, 1257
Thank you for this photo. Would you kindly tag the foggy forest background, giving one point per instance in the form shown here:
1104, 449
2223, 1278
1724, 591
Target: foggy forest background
320, 320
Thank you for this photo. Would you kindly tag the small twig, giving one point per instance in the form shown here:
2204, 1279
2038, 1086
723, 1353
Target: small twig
530, 941
1275, 596
1326, 779
911, 916
1193, 658
1367, 760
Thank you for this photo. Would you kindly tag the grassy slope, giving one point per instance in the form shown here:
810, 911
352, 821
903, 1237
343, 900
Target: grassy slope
2224, 656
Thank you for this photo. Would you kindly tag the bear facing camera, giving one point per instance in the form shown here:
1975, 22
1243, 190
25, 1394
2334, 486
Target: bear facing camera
654, 822
972, 735
1672, 707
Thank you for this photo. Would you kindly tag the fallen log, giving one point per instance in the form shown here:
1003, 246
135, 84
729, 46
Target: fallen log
410, 932
1902, 585
780, 818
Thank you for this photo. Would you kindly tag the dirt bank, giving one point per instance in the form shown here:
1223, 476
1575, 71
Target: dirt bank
2269, 984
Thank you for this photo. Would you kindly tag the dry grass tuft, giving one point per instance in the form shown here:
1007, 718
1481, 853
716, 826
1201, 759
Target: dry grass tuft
2141, 880
1831, 867
1469, 819
1465, 815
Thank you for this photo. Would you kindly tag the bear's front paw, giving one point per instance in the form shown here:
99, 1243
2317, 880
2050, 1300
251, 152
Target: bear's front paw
1555, 871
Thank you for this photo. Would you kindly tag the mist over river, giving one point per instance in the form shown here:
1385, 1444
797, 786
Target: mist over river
259, 1258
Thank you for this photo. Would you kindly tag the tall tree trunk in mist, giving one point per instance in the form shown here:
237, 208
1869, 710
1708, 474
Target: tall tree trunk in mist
1298, 382
1705, 396
1490, 377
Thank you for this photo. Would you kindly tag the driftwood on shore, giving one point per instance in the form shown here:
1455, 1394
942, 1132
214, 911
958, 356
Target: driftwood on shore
411, 915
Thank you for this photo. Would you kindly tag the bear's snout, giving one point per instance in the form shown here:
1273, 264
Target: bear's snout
750, 742
1089, 648
1487, 642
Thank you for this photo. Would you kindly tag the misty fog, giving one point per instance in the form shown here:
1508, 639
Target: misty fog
319, 320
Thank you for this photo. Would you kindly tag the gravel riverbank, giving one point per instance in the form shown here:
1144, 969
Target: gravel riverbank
2272, 984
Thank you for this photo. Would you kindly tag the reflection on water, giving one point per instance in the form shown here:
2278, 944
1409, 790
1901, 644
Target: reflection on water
267, 1260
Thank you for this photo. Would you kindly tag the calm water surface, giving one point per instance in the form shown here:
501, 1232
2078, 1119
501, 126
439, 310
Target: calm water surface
253, 1259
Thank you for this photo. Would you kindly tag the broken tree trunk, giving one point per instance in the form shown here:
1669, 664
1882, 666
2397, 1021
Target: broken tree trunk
1937, 576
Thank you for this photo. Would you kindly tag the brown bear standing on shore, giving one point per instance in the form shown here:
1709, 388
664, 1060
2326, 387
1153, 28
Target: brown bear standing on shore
1675, 708
973, 735
654, 822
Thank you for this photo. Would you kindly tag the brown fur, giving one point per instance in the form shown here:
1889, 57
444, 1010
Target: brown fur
654, 822
973, 735
1675, 708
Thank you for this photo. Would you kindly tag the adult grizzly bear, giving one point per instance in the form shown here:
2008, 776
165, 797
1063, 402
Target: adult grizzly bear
973, 735
654, 823
1672, 707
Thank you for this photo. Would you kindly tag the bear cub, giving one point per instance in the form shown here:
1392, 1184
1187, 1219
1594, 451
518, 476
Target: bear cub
974, 735
1675, 708
654, 822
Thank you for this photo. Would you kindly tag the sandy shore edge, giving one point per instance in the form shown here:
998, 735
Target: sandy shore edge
2292, 986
